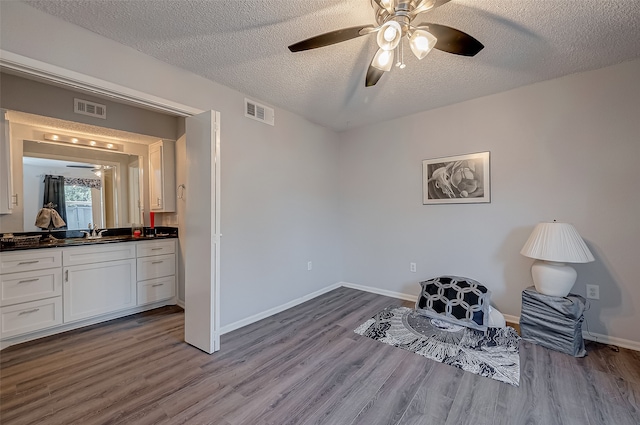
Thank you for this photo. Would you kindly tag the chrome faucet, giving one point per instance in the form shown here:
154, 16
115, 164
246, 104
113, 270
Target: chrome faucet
93, 232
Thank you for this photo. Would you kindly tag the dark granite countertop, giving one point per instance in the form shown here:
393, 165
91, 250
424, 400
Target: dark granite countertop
74, 238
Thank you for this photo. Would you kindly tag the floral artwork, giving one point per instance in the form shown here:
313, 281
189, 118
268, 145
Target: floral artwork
456, 179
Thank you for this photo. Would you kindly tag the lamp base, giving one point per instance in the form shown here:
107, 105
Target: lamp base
554, 279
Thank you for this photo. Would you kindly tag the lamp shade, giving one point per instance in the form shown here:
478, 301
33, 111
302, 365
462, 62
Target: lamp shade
421, 43
389, 35
383, 60
558, 242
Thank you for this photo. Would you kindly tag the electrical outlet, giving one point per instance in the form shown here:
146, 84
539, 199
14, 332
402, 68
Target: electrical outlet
309, 265
412, 267
593, 292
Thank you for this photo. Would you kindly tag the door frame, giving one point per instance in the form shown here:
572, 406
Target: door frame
57, 75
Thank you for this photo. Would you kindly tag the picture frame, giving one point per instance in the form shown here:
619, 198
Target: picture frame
461, 179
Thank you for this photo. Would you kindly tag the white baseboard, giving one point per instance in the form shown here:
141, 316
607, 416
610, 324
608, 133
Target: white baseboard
275, 310
386, 293
180, 303
604, 339
611, 340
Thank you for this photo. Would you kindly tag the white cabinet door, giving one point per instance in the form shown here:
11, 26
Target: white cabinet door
155, 176
162, 176
6, 179
94, 289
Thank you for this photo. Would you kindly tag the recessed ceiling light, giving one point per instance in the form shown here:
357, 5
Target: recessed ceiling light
74, 140
92, 143
109, 145
55, 137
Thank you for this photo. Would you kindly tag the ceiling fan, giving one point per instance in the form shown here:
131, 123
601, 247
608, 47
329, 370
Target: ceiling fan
96, 169
395, 21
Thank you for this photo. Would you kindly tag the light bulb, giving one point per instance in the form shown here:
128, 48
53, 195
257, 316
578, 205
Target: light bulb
74, 140
421, 43
54, 137
92, 143
389, 35
383, 60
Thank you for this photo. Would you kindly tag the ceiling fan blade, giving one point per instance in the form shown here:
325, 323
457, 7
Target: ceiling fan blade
373, 76
332, 37
453, 41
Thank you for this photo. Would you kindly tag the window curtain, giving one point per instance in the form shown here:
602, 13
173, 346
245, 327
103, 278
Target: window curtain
54, 193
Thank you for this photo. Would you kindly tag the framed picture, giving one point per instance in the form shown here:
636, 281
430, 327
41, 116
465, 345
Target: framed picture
462, 179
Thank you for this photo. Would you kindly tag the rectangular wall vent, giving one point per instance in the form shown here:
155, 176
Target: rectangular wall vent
258, 112
91, 109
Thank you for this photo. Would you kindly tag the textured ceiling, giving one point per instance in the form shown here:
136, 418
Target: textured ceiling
243, 44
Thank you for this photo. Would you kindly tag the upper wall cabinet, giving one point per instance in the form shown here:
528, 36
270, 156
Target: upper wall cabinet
6, 181
162, 176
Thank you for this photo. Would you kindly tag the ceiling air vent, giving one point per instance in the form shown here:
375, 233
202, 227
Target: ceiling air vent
258, 112
91, 109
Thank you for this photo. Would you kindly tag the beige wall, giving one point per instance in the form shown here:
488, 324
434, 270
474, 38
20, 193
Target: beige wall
24, 95
279, 184
566, 149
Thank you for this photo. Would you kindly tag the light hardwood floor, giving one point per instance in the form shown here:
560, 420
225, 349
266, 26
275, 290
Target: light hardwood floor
302, 366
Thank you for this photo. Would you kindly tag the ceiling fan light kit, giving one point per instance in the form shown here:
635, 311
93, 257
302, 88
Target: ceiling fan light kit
389, 35
421, 43
394, 19
383, 60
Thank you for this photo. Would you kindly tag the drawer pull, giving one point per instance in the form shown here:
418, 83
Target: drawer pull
156, 249
33, 310
157, 284
28, 262
157, 262
28, 280
66, 275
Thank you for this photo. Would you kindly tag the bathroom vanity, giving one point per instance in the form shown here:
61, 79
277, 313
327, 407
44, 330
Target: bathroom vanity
71, 283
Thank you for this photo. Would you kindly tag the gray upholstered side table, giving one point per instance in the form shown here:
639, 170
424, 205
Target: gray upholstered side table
553, 322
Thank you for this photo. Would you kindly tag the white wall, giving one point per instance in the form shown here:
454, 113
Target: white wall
279, 184
565, 149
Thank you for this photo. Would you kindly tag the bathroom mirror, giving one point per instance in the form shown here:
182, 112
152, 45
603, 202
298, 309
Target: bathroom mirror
104, 180
102, 188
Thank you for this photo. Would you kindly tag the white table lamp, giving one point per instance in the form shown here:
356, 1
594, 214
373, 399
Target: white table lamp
552, 245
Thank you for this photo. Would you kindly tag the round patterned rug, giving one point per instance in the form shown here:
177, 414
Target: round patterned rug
494, 354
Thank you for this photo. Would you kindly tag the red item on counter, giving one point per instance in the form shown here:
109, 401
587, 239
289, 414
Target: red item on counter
152, 219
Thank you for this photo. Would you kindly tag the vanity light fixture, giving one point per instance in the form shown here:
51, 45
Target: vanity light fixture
60, 138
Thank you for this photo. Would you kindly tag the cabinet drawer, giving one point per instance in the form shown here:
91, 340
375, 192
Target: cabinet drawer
96, 254
156, 289
157, 266
29, 317
30, 286
148, 248
37, 259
